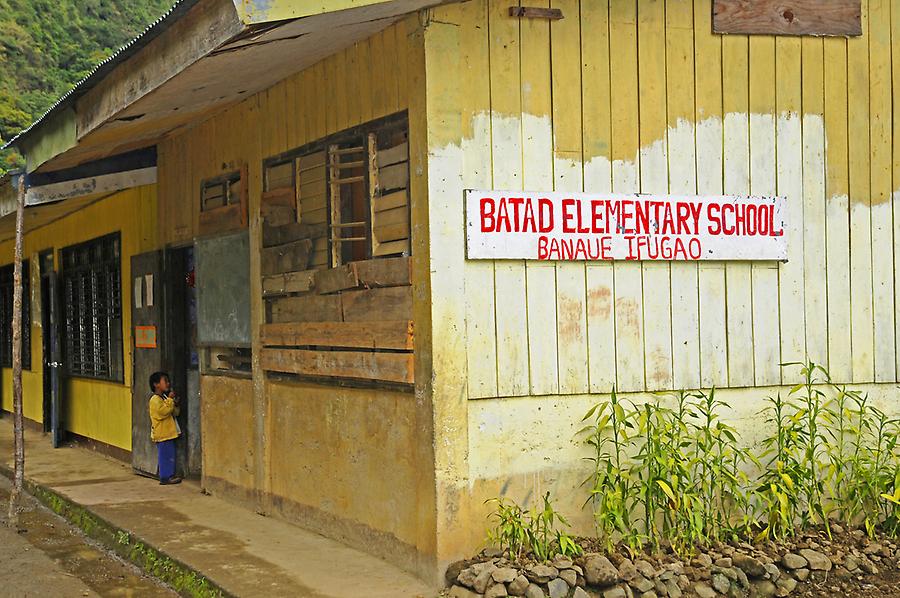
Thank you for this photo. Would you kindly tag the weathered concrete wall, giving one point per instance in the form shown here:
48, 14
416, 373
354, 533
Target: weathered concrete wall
228, 445
95, 409
343, 461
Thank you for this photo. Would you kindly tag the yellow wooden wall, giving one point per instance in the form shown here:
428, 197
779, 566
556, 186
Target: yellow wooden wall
95, 409
640, 96
364, 82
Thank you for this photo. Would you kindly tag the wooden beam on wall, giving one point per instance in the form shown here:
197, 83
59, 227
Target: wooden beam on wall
792, 17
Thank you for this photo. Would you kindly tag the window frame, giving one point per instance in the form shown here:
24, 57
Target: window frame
7, 285
111, 312
359, 136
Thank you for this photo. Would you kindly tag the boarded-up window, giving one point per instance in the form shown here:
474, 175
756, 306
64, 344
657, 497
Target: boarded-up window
223, 203
335, 258
796, 17
354, 185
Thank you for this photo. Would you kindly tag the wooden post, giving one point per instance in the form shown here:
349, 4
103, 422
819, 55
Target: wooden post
19, 424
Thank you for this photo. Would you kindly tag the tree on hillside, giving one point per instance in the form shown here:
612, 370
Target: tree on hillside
47, 46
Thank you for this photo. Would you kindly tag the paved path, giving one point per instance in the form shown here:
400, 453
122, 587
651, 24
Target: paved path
244, 553
49, 557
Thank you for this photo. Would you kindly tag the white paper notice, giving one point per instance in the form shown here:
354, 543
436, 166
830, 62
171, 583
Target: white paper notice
148, 282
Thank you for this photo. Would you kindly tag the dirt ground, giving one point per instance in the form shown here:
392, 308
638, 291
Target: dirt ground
49, 557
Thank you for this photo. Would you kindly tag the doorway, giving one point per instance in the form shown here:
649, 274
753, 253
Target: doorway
163, 316
51, 348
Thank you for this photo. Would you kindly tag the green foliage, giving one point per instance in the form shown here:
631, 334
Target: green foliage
534, 532
47, 47
666, 474
671, 471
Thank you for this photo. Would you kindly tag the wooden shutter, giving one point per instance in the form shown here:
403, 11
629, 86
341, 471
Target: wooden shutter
389, 196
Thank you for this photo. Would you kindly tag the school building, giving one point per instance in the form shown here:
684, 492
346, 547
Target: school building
268, 199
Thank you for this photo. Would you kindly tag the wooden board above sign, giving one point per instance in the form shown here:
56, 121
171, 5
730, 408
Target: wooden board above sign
588, 227
795, 17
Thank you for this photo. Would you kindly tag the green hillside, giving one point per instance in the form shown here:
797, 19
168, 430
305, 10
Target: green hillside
47, 46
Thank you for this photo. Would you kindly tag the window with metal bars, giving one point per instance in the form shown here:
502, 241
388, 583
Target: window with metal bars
93, 309
6, 313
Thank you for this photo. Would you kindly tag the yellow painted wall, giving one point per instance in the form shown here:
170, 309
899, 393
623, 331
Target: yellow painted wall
640, 96
342, 461
95, 409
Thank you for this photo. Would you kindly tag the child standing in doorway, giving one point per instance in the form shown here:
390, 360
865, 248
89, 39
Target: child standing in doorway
164, 427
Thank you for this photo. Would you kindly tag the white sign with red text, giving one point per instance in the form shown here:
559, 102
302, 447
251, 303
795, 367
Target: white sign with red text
602, 226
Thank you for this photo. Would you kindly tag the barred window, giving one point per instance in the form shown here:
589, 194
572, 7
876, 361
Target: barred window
93, 308
6, 313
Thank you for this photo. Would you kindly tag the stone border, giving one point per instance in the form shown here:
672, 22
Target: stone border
150, 559
738, 570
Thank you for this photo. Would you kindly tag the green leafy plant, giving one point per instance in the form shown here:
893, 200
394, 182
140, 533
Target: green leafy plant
536, 532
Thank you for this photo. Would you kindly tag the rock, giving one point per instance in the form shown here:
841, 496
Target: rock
598, 571
748, 564
558, 588
461, 592
851, 563
704, 591
836, 529
504, 574
535, 591
562, 562
641, 584
772, 571
801, 574
731, 573
840, 572
672, 589
453, 571
762, 588
869, 567
720, 583
577, 569
579, 593
496, 591
817, 561
569, 576
627, 570
517, 586
873, 548
703, 560
484, 579
542, 573
492, 553
724, 562
785, 585
616, 592
467, 576
645, 568
649, 594
793, 561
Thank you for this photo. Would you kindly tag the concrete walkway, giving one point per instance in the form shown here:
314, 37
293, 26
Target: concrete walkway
243, 553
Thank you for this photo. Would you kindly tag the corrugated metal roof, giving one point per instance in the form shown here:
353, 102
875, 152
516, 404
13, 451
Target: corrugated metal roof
103, 68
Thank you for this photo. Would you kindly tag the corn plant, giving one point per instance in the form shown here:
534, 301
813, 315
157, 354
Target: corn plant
536, 532
811, 407
612, 490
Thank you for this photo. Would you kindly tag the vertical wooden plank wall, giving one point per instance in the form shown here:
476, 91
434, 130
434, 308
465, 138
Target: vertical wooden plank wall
364, 82
639, 95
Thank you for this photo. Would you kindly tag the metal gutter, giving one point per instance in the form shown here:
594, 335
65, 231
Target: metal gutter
106, 66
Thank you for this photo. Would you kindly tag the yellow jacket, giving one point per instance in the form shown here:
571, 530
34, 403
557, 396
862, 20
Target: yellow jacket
162, 419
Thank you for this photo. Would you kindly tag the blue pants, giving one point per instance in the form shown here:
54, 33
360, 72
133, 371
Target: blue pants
166, 450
